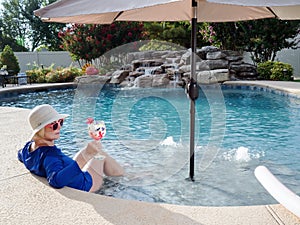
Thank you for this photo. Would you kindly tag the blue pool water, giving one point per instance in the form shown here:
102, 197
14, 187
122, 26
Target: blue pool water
148, 133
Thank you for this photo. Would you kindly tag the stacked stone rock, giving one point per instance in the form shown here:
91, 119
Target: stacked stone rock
173, 69
221, 65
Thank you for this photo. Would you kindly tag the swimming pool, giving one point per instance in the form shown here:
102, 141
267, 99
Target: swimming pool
148, 132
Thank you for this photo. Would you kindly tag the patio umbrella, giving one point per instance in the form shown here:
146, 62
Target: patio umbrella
284, 10
108, 11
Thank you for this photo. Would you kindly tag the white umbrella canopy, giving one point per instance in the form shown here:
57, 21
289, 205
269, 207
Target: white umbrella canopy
287, 12
91, 11
206, 12
268, 3
108, 11
283, 9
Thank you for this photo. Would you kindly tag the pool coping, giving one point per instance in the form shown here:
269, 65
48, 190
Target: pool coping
286, 88
14, 90
27, 199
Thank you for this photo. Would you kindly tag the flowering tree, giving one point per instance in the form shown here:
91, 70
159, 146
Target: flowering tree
262, 38
89, 42
209, 35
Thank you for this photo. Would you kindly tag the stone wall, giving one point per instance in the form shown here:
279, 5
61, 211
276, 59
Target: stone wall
173, 69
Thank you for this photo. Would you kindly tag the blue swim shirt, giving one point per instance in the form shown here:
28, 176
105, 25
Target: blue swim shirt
59, 169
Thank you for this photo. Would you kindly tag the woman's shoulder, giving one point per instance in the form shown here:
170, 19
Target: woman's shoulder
24, 151
27, 145
26, 148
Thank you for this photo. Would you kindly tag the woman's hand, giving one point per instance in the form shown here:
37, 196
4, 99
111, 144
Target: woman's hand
93, 148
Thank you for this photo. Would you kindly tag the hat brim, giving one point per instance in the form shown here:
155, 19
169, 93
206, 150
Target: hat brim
55, 118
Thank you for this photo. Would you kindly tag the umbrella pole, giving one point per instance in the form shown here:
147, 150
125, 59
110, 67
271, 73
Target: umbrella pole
193, 90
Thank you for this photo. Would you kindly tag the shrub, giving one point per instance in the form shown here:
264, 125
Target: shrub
38, 73
61, 75
158, 45
9, 59
264, 70
49, 75
279, 71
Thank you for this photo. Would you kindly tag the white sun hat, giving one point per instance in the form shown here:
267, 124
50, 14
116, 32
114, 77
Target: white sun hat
42, 115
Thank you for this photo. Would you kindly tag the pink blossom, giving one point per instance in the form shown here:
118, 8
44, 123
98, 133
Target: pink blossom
109, 37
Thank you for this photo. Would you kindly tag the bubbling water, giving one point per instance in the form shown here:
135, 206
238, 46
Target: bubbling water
169, 141
242, 154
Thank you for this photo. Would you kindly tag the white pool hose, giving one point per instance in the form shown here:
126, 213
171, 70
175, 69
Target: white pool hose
281, 193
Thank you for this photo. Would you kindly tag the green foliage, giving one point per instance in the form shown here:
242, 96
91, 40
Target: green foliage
9, 59
61, 75
269, 36
178, 33
11, 42
278, 71
175, 32
209, 35
282, 71
264, 70
224, 35
160, 46
21, 25
6, 40
262, 38
40, 74
89, 42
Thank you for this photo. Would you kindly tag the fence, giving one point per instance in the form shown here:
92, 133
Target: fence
46, 58
62, 58
292, 57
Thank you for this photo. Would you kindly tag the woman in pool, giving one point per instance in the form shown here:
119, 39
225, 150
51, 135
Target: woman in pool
42, 157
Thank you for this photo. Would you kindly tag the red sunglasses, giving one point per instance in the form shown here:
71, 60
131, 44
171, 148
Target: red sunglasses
54, 125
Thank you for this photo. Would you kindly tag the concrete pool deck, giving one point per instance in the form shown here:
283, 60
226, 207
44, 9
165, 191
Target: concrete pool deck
28, 199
